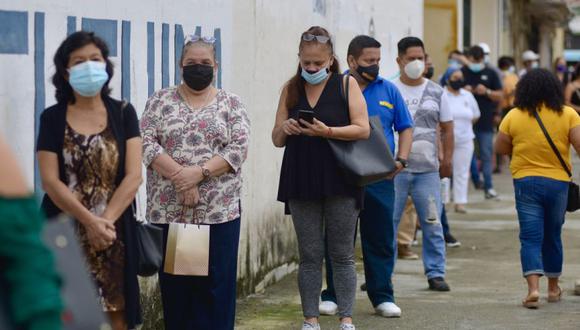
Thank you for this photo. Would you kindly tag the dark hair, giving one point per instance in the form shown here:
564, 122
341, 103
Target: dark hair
576, 71
505, 62
454, 52
476, 52
64, 92
409, 42
539, 87
356, 45
295, 85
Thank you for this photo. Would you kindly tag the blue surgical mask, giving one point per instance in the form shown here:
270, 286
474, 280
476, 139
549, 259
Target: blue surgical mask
476, 67
453, 63
88, 78
315, 78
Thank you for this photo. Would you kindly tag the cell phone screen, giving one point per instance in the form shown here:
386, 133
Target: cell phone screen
307, 115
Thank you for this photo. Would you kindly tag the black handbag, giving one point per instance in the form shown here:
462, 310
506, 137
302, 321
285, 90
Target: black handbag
573, 189
149, 238
149, 247
364, 161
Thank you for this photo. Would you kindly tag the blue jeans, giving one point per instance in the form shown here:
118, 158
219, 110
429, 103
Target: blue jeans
444, 221
425, 191
541, 205
474, 171
485, 142
377, 232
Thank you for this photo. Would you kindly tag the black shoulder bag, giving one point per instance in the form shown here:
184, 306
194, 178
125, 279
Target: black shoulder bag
573, 189
149, 238
364, 161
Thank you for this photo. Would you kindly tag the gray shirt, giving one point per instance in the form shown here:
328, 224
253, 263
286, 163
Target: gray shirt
429, 107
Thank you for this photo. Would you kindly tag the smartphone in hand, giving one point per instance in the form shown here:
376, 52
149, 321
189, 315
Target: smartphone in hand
307, 115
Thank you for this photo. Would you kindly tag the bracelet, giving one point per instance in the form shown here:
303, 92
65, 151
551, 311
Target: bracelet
329, 134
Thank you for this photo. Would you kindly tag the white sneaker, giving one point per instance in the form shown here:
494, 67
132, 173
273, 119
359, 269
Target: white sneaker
328, 308
388, 309
310, 326
347, 326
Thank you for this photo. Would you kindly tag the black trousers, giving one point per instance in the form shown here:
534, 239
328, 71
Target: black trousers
204, 302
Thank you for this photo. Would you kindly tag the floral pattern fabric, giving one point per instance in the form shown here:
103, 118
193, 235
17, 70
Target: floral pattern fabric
192, 137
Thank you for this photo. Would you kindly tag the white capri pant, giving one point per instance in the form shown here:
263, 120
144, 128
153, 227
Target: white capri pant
462, 155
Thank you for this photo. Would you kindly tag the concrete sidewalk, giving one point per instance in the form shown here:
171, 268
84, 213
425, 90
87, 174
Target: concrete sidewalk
484, 275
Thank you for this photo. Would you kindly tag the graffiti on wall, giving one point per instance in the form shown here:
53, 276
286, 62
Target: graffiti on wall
14, 39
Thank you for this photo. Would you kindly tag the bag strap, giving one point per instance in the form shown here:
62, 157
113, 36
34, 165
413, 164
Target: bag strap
344, 88
554, 148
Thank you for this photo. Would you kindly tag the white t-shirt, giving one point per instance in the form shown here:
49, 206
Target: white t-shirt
428, 105
464, 109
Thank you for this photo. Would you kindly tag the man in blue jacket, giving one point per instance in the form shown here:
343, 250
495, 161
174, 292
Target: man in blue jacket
377, 228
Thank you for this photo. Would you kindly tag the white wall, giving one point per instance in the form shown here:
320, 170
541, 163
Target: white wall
259, 47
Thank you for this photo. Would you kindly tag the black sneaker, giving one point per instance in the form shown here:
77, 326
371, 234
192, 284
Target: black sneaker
451, 241
438, 284
363, 287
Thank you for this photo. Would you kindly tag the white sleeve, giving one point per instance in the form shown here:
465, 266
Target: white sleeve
474, 107
445, 114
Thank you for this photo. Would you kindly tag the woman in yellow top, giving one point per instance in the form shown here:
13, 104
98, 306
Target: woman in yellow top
540, 180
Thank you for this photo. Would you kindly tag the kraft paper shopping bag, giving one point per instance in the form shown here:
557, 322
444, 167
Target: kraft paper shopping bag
187, 250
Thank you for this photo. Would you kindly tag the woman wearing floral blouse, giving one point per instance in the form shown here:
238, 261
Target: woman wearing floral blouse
195, 139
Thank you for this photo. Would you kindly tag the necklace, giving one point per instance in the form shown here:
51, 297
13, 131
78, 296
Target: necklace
191, 104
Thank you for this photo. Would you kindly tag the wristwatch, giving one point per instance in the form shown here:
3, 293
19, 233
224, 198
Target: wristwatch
205, 172
403, 162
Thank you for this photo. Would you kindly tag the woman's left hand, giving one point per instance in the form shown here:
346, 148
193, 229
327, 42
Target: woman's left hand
317, 128
187, 178
189, 197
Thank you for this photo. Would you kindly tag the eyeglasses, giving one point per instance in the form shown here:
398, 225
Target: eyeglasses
311, 37
196, 38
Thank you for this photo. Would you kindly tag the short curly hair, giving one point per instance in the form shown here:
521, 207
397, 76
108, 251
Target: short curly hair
537, 88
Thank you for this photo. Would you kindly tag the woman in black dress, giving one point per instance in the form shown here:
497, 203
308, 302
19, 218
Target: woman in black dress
311, 184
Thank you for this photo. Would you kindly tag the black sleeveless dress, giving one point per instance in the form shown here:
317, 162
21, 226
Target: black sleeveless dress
309, 169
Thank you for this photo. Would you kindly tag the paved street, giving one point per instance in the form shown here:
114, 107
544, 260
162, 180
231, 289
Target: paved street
484, 274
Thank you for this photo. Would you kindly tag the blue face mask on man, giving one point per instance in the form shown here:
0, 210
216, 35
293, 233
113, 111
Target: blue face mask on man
88, 78
316, 77
476, 67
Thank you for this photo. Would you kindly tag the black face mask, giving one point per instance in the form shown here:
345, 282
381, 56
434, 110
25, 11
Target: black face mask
197, 76
457, 84
368, 73
429, 73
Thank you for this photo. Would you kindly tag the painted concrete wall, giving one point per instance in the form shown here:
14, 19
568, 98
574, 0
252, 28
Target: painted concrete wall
258, 41
485, 25
441, 32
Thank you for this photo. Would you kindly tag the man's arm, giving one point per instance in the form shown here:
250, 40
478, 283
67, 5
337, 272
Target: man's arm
448, 143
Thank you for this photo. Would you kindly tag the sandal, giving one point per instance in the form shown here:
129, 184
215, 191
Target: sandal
555, 298
532, 301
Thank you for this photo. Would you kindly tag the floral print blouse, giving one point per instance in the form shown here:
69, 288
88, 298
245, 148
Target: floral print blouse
192, 137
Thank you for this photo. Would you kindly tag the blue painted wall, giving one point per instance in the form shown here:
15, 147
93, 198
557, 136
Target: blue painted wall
39, 88
14, 36
104, 28
13, 32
